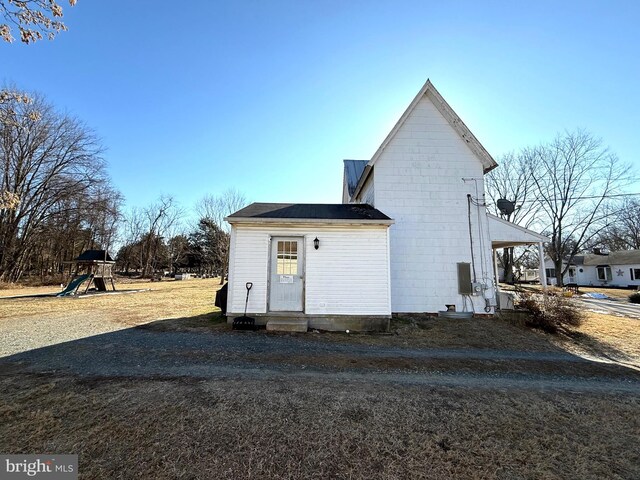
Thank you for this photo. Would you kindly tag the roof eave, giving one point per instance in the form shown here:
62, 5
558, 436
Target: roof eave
300, 221
539, 236
452, 118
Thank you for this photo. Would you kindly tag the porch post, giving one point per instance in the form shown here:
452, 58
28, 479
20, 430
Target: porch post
543, 273
495, 268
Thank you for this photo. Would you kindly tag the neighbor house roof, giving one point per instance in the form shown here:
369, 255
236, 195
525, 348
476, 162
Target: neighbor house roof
578, 260
452, 118
309, 212
620, 257
94, 256
352, 171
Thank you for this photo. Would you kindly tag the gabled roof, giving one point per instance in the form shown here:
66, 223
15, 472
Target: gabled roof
578, 260
352, 171
452, 118
94, 256
619, 257
309, 212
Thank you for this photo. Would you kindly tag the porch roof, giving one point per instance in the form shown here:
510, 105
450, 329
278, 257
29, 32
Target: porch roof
506, 234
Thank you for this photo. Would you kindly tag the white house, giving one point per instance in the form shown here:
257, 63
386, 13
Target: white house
425, 187
311, 266
428, 175
614, 269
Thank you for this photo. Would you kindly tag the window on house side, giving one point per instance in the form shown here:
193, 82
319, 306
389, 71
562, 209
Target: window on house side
604, 274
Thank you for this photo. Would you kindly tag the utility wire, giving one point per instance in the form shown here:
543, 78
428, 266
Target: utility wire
617, 195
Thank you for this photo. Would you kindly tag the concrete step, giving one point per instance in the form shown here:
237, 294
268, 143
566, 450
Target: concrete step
288, 325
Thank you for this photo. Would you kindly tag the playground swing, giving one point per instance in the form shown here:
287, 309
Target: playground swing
94, 267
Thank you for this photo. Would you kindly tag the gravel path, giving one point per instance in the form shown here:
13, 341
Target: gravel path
140, 352
28, 333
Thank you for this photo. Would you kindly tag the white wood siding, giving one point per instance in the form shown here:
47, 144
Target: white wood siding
347, 275
419, 183
248, 262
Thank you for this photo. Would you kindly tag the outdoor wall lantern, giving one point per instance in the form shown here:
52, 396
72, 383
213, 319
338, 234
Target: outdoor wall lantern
316, 243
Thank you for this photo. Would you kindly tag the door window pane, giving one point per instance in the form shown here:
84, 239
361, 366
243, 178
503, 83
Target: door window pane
287, 259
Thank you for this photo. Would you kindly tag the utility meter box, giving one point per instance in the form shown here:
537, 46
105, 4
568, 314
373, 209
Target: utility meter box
477, 288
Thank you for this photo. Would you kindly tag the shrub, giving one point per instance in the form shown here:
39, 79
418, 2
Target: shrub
634, 297
550, 312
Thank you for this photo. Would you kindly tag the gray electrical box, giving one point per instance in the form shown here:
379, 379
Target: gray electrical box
464, 279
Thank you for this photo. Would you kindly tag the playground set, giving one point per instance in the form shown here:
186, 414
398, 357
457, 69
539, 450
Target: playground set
95, 267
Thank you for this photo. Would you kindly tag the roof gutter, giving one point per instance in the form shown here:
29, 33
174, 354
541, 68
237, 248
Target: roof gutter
302, 221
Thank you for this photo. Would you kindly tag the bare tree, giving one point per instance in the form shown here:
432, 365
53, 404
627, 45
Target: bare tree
513, 181
129, 255
160, 217
53, 174
623, 229
178, 250
576, 178
34, 19
215, 209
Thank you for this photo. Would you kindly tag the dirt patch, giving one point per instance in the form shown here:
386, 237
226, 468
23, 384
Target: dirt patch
315, 429
530, 368
208, 322
423, 331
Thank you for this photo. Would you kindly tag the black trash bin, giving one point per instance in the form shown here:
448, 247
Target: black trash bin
221, 298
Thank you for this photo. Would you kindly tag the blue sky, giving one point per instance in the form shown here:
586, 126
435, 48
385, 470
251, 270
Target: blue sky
268, 97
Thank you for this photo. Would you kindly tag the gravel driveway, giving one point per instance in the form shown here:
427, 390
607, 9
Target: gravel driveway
144, 352
28, 333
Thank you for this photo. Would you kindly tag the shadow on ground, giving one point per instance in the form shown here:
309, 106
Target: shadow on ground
205, 347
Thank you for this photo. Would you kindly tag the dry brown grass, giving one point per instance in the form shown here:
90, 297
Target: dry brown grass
166, 299
605, 336
290, 427
167, 429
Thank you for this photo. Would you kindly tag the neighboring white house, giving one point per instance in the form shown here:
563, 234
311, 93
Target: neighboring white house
428, 176
614, 269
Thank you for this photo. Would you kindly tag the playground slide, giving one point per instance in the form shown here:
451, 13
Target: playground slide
73, 285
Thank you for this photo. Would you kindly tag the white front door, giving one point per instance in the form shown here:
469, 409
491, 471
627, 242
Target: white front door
287, 274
